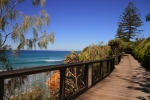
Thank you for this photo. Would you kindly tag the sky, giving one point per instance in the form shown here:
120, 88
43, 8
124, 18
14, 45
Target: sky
79, 23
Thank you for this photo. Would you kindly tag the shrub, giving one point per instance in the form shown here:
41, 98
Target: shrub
94, 52
117, 46
142, 53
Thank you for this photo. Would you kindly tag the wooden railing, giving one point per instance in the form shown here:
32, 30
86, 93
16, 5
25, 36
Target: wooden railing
74, 79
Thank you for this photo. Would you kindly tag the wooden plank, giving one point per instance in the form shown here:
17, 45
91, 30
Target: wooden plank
128, 81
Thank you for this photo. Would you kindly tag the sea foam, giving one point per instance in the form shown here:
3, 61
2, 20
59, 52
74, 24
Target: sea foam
52, 60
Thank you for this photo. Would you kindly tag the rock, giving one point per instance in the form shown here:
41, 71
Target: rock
54, 81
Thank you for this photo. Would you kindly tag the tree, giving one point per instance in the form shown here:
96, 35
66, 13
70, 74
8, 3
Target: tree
117, 46
10, 28
148, 17
130, 21
119, 33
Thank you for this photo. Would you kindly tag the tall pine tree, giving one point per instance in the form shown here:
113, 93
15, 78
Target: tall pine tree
120, 33
130, 21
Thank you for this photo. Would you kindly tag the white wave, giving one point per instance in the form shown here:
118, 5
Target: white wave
52, 60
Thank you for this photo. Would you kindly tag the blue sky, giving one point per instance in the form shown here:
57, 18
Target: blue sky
79, 23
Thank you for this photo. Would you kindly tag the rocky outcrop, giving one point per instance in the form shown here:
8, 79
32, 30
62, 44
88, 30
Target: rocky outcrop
54, 81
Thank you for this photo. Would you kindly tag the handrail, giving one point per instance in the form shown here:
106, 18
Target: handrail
26, 71
92, 72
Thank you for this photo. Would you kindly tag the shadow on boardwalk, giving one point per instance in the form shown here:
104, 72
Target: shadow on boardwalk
129, 81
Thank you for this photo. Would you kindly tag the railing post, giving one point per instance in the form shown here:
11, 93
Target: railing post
101, 70
112, 64
86, 74
62, 83
109, 64
89, 76
117, 60
1, 89
120, 58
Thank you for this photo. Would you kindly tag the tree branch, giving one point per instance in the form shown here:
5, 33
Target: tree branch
10, 10
5, 39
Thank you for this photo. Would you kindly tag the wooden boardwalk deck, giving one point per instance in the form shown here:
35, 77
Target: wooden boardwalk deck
128, 81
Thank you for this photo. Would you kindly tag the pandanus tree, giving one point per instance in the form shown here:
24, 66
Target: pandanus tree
10, 27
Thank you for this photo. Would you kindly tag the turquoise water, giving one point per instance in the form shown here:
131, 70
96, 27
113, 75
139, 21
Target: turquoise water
37, 58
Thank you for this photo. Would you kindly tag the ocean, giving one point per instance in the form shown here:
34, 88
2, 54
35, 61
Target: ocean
38, 58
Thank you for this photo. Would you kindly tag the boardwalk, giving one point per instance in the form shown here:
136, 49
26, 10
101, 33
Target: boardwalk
128, 81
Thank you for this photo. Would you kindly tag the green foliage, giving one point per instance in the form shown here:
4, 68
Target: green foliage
73, 75
130, 21
36, 94
147, 17
71, 58
94, 52
117, 46
4, 58
119, 33
139, 40
142, 52
17, 30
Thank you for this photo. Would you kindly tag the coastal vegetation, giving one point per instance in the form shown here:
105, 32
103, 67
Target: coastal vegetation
74, 76
12, 28
148, 17
126, 32
142, 53
117, 46
91, 52
18, 29
94, 52
127, 39
129, 22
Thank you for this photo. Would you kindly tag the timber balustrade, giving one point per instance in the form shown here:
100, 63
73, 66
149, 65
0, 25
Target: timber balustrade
64, 82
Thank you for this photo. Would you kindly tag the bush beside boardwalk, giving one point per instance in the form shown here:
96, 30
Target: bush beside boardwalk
142, 53
73, 79
93, 52
74, 75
